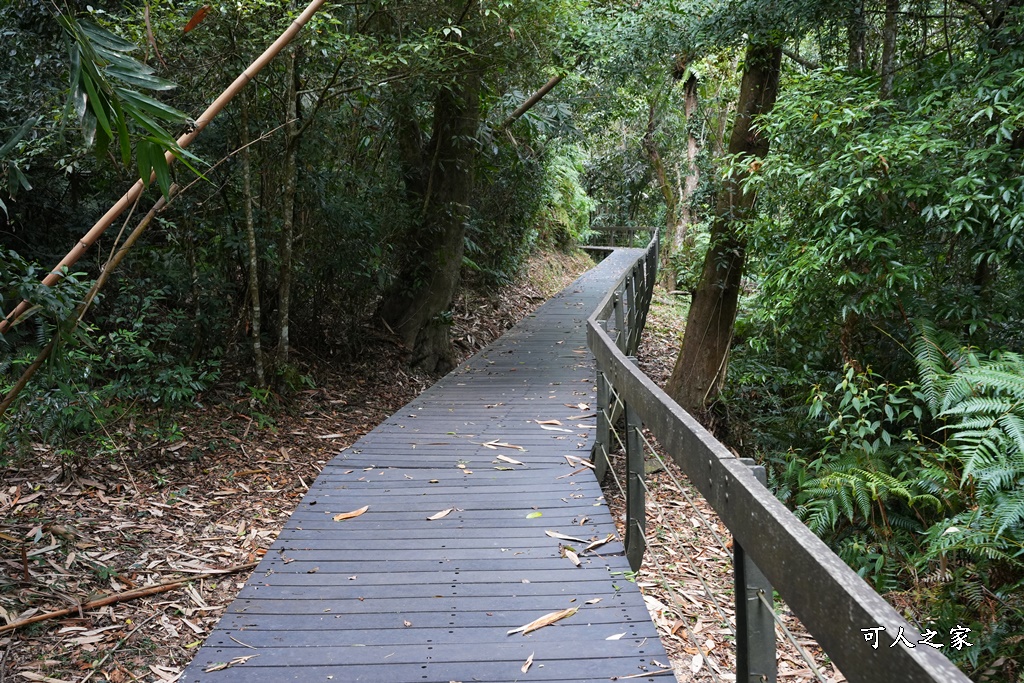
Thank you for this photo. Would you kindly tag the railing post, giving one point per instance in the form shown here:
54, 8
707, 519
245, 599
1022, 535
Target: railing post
636, 516
630, 297
620, 320
602, 440
755, 626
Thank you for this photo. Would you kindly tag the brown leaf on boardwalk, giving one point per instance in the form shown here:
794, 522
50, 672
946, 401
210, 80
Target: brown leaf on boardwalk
349, 515
592, 601
505, 458
563, 537
573, 557
553, 429
527, 663
439, 515
224, 665
545, 620
600, 542
548, 422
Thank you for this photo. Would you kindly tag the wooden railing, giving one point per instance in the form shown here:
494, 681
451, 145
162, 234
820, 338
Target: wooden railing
773, 550
622, 235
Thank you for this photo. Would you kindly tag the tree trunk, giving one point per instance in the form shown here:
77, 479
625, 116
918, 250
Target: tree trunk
250, 233
668, 274
684, 239
857, 31
439, 185
888, 66
700, 369
291, 135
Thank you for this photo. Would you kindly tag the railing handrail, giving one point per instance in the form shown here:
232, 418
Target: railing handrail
834, 603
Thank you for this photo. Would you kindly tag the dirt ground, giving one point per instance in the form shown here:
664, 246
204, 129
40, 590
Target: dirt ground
130, 561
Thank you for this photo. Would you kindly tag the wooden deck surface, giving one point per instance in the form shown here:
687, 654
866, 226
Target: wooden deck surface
393, 597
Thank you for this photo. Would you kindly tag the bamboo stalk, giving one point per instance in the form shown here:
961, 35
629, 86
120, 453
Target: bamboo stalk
104, 275
136, 190
155, 589
532, 100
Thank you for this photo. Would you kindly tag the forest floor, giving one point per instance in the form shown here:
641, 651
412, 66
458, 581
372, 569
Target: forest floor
181, 512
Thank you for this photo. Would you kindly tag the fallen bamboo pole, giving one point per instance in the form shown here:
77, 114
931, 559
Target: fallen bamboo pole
161, 587
132, 195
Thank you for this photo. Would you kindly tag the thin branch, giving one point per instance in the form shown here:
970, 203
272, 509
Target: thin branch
126, 596
802, 61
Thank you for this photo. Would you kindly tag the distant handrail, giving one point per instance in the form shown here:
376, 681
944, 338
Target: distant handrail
772, 547
628, 231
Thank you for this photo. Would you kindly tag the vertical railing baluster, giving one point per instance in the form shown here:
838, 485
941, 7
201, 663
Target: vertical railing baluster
755, 626
620, 319
636, 515
630, 297
602, 440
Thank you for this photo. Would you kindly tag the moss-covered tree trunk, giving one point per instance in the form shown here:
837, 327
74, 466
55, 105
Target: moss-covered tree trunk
439, 186
700, 369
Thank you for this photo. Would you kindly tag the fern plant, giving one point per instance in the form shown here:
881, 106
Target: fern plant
980, 400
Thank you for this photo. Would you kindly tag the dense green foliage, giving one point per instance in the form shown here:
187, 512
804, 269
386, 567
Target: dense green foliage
884, 258
179, 308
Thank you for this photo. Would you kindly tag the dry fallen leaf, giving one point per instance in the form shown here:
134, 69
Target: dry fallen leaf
545, 620
599, 542
548, 422
615, 637
39, 677
554, 429
350, 515
511, 461
407, 623
573, 557
564, 537
592, 601
495, 445
224, 665
696, 663
527, 663
442, 513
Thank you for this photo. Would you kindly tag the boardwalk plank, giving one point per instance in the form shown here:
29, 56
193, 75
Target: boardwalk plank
391, 596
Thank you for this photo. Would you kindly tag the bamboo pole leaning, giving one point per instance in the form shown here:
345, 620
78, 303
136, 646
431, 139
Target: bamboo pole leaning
133, 194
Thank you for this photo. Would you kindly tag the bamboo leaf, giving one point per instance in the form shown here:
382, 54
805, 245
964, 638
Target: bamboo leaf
350, 515
545, 620
96, 105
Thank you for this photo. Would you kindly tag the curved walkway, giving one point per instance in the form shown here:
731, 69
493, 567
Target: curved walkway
392, 596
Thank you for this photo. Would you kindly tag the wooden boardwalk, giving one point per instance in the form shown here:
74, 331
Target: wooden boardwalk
393, 597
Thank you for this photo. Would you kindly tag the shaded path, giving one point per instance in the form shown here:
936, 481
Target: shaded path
392, 597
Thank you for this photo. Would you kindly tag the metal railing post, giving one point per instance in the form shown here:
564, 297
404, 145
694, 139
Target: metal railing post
620, 319
602, 440
755, 627
630, 297
636, 515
